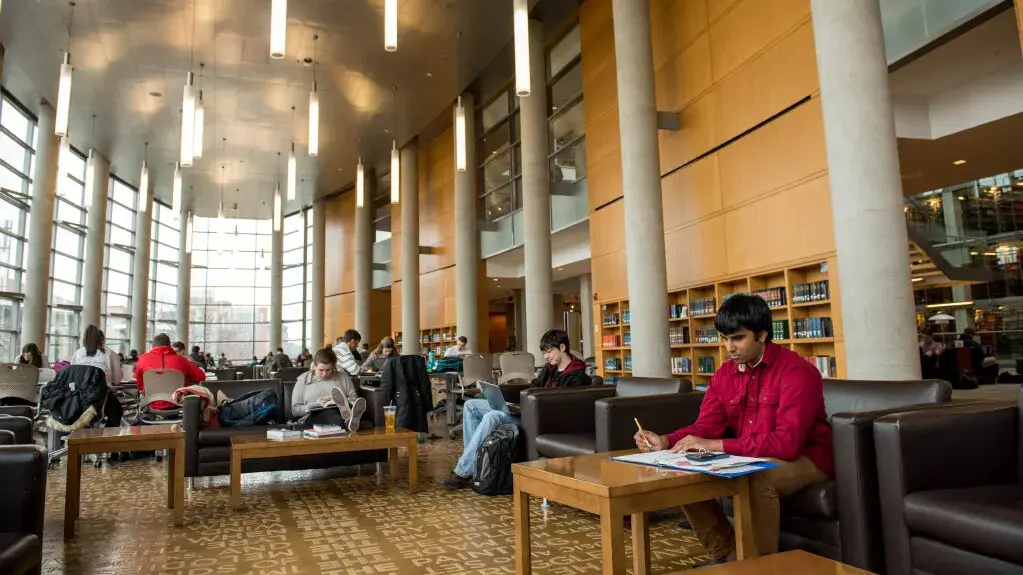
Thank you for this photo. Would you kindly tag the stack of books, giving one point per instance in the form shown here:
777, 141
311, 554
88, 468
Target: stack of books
283, 434
319, 431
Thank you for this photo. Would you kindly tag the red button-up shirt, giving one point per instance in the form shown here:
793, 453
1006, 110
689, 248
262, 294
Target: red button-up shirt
775, 409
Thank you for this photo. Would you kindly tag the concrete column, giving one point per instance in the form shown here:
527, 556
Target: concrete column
558, 312
410, 249
364, 261
536, 199
276, 287
316, 337
184, 281
644, 223
586, 313
140, 277
519, 301
866, 193
40, 231
467, 236
95, 234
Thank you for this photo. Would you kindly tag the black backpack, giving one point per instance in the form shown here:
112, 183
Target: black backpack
494, 459
258, 407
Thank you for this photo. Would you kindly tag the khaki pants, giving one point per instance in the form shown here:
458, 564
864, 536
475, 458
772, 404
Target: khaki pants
766, 488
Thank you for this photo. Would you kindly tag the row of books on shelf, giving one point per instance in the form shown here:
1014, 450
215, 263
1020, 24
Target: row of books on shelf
705, 306
775, 297
611, 341
811, 291
707, 335
705, 364
678, 311
824, 364
779, 329
812, 327
678, 334
616, 319
616, 363
437, 338
681, 365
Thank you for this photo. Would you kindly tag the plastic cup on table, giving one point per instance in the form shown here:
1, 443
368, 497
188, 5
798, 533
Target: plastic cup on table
389, 415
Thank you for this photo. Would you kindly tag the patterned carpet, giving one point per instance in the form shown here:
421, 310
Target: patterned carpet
330, 522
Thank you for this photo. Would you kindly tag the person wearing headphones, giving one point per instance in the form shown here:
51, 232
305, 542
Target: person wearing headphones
769, 402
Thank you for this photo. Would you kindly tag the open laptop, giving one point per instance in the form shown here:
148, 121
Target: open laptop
492, 393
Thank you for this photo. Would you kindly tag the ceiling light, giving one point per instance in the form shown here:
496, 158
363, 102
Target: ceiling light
200, 119
187, 121
390, 25
917, 280
143, 188
950, 304
520, 17
278, 27
90, 178
63, 156
188, 234
176, 193
63, 96
277, 208
460, 136
959, 162
395, 173
314, 122
360, 185
220, 223
292, 172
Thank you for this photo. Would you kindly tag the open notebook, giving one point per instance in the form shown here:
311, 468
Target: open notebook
731, 466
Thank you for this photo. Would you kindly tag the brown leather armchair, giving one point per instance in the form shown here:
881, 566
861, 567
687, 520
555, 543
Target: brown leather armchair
951, 487
23, 475
580, 420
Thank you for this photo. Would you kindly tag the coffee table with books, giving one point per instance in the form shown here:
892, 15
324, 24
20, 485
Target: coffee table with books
262, 447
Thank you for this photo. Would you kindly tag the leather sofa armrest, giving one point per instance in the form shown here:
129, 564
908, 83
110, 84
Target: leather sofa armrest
942, 448
191, 423
662, 413
23, 475
376, 398
20, 426
20, 410
568, 410
7, 437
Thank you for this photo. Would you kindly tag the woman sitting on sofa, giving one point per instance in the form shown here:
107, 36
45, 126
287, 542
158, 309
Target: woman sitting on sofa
325, 395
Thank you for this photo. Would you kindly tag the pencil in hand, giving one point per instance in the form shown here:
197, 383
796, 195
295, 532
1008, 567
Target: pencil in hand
640, 427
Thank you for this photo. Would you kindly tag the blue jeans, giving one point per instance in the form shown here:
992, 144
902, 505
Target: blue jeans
478, 420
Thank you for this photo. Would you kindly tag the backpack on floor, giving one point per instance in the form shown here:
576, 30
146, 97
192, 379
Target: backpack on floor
494, 459
258, 407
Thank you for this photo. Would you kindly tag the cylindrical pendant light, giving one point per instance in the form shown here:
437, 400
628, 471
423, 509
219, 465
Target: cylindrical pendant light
292, 173
63, 156
200, 119
360, 185
520, 17
277, 208
144, 188
390, 25
314, 122
187, 121
90, 178
176, 193
460, 136
63, 96
188, 234
278, 27
395, 174
220, 226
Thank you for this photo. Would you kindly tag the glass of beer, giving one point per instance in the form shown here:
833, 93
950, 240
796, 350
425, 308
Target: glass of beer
389, 414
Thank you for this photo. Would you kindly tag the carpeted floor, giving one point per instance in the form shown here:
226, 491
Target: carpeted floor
321, 522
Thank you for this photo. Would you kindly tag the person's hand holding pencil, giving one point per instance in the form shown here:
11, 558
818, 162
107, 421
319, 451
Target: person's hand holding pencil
647, 440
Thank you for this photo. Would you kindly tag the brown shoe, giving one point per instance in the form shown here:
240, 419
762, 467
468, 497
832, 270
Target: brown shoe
455, 481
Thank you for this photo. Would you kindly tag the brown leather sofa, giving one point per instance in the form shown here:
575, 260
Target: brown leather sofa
951, 486
208, 451
580, 420
23, 476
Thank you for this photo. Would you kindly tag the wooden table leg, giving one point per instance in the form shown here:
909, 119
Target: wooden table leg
413, 466
640, 544
612, 538
178, 481
745, 539
72, 490
236, 479
523, 563
171, 474
392, 462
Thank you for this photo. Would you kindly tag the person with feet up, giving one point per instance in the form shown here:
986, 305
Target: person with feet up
769, 402
324, 395
561, 369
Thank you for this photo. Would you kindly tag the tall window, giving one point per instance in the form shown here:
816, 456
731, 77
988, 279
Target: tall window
117, 273
312, 345
63, 329
294, 282
17, 134
163, 272
566, 131
500, 156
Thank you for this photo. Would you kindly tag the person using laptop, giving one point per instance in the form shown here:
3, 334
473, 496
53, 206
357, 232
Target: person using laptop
460, 348
384, 350
769, 402
479, 418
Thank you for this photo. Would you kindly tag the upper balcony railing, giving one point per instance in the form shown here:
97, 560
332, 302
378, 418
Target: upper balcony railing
912, 24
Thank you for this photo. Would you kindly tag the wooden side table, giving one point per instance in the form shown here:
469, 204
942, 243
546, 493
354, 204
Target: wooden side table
118, 439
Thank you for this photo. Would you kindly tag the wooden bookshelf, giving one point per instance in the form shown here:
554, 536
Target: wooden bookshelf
775, 286
437, 338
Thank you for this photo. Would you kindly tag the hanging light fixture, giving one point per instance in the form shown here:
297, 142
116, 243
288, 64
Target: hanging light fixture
395, 159
220, 208
390, 25
187, 121
176, 193
314, 110
278, 27
520, 18
144, 183
460, 152
292, 173
64, 85
90, 178
63, 156
200, 119
188, 233
360, 185
277, 197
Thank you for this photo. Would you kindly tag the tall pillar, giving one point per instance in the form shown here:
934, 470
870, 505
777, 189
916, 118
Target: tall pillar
40, 230
536, 199
866, 192
641, 170
316, 336
184, 281
276, 286
519, 300
586, 313
140, 277
364, 261
95, 234
410, 248
467, 237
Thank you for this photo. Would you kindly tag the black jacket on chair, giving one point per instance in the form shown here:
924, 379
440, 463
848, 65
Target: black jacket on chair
407, 384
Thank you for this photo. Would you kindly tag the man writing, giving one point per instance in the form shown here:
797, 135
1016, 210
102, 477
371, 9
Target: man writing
770, 403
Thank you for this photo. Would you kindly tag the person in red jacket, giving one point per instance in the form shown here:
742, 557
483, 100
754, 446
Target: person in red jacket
163, 356
769, 402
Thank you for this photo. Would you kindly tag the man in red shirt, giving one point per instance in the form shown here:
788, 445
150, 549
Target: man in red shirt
163, 356
765, 402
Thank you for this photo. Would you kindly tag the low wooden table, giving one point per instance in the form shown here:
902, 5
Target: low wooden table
788, 563
595, 484
118, 439
259, 447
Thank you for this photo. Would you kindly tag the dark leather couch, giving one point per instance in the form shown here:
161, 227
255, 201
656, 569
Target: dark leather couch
580, 420
208, 451
23, 476
19, 427
291, 374
951, 486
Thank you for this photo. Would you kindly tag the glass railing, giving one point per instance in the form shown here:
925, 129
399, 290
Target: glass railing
382, 257
569, 206
502, 235
912, 24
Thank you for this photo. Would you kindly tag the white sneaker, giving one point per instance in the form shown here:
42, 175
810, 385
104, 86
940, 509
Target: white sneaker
342, 403
358, 408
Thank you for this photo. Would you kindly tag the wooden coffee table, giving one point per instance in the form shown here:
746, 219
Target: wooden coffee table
119, 439
613, 490
259, 447
788, 563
